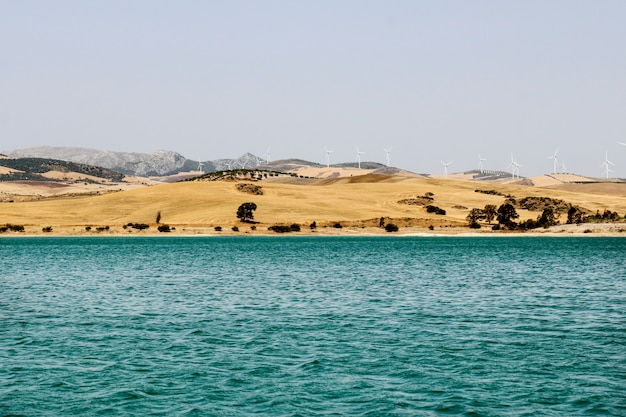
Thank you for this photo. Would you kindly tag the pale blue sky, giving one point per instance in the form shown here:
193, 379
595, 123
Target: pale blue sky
435, 80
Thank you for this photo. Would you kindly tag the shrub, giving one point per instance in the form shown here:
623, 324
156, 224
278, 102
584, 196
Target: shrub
390, 227
102, 228
15, 227
431, 227
218, 228
158, 217
280, 229
496, 227
47, 229
138, 226
295, 227
253, 227
164, 228
337, 226
474, 225
234, 229
313, 225
436, 210
88, 228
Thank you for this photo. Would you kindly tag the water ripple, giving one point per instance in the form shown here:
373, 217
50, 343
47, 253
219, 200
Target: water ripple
313, 326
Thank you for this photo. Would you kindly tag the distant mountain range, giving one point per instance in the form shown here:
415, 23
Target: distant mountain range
162, 163
156, 164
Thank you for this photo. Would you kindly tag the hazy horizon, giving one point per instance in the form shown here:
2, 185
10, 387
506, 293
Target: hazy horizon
442, 81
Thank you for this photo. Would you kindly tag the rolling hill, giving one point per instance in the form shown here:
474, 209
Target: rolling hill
357, 203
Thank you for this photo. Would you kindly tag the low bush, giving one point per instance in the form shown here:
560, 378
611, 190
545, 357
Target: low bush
13, 227
234, 229
295, 227
47, 229
390, 227
138, 226
436, 210
218, 228
337, 226
164, 228
280, 228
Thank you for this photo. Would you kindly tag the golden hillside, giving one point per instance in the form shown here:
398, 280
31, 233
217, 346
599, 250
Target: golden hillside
355, 202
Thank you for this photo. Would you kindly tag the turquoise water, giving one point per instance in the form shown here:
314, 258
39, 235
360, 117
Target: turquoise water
313, 326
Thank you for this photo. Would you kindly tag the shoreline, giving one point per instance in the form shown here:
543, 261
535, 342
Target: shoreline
567, 230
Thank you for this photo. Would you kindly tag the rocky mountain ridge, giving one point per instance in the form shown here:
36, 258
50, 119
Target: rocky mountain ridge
161, 163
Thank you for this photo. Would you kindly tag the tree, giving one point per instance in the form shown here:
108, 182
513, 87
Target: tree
158, 217
245, 212
490, 212
574, 215
506, 214
547, 218
474, 215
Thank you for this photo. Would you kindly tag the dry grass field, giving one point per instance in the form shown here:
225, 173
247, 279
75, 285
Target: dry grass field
356, 202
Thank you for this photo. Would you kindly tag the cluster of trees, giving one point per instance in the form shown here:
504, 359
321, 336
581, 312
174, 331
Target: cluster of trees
506, 215
285, 229
488, 213
12, 227
138, 226
575, 215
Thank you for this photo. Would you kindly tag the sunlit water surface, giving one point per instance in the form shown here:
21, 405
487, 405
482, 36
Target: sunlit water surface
313, 326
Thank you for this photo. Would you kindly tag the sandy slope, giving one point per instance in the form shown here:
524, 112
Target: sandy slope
356, 202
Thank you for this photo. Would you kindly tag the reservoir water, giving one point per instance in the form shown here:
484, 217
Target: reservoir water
313, 326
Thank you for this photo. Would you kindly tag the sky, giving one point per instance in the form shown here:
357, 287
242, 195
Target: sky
433, 80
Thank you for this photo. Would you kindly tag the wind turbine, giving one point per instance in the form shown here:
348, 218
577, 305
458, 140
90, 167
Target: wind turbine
387, 152
555, 161
358, 156
606, 164
563, 169
328, 152
481, 167
229, 164
445, 167
514, 167
267, 155
200, 165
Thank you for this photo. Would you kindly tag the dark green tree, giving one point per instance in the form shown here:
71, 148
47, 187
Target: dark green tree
574, 215
547, 218
245, 212
505, 215
490, 212
474, 215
